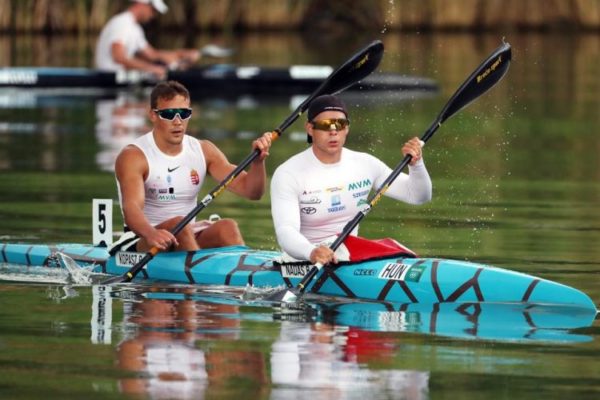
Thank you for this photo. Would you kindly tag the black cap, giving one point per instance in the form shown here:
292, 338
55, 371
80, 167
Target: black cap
326, 102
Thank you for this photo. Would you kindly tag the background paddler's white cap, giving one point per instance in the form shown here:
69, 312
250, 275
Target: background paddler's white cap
159, 5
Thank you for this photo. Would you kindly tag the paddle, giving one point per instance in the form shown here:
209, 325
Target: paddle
479, 82
216, 51
356, 68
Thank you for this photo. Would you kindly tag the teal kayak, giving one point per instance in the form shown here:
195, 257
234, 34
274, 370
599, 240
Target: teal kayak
397, 279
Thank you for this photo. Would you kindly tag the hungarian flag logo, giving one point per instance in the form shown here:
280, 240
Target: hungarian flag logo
195, 177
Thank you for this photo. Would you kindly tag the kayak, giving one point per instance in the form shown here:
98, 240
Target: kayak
401, 279
217, 78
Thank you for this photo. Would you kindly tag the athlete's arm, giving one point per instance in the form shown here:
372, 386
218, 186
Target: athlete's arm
250, 184
285, 210
144, 63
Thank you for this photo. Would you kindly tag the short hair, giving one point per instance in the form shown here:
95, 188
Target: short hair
167, 90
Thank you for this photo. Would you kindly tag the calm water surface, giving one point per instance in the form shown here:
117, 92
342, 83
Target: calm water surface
516, 185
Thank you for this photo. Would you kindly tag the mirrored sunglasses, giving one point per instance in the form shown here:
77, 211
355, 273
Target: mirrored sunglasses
329, 124
169, 114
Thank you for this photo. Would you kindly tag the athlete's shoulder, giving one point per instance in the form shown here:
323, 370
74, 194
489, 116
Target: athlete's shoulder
297, 161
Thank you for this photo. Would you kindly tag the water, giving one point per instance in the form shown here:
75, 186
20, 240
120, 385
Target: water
515, 185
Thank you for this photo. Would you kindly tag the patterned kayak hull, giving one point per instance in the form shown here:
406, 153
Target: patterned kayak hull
397, 280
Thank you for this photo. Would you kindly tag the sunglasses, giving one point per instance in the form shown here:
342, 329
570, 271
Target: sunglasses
169, 114
328, 124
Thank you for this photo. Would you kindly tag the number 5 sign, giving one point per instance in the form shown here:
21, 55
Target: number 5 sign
102, 222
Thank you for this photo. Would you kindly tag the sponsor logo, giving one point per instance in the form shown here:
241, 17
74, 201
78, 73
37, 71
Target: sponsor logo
312, 200
415, 272
334, 189
362, 202
489, 70
365, 183
128, 258
166, 197
173, 169
294, 271
336, 204
308, 210
361, 194
194, 177
304, 193
365, 272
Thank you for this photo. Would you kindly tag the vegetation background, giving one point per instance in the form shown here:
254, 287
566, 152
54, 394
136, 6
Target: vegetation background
59, 16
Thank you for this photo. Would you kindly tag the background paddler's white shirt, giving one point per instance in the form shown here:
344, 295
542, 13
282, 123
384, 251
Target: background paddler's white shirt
173, 182
121, 28
312, 201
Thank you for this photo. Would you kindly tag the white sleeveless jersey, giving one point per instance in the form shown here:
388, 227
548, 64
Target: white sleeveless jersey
312, 201
173, 182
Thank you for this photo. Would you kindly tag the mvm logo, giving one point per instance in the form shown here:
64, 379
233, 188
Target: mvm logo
366, 183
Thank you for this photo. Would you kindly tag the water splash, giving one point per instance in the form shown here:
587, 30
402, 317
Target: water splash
76, 274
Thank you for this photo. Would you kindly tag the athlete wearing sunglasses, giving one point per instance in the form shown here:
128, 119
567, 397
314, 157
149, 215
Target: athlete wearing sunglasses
169, 114
159, 177
316, 192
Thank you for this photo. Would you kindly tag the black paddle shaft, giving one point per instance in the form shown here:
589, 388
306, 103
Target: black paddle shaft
490, 72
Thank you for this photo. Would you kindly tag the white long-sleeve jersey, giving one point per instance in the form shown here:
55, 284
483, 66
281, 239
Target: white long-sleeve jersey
312, 201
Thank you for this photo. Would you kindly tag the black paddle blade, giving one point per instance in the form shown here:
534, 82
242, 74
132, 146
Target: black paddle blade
356, 68
490, 72
359, 66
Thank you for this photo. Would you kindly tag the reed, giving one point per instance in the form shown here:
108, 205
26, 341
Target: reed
375, 15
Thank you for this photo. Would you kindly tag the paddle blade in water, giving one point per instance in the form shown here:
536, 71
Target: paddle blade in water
285, 296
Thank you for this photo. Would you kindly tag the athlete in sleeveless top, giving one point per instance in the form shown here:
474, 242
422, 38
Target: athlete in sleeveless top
160, 175
316, 192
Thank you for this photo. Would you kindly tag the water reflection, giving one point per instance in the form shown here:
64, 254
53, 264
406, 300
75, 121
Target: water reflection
331, 359
118, 116
119, 121
179, 346
478, 321
181, 341
172, 345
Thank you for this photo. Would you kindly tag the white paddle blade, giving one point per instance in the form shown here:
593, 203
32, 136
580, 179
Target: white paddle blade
212, 50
